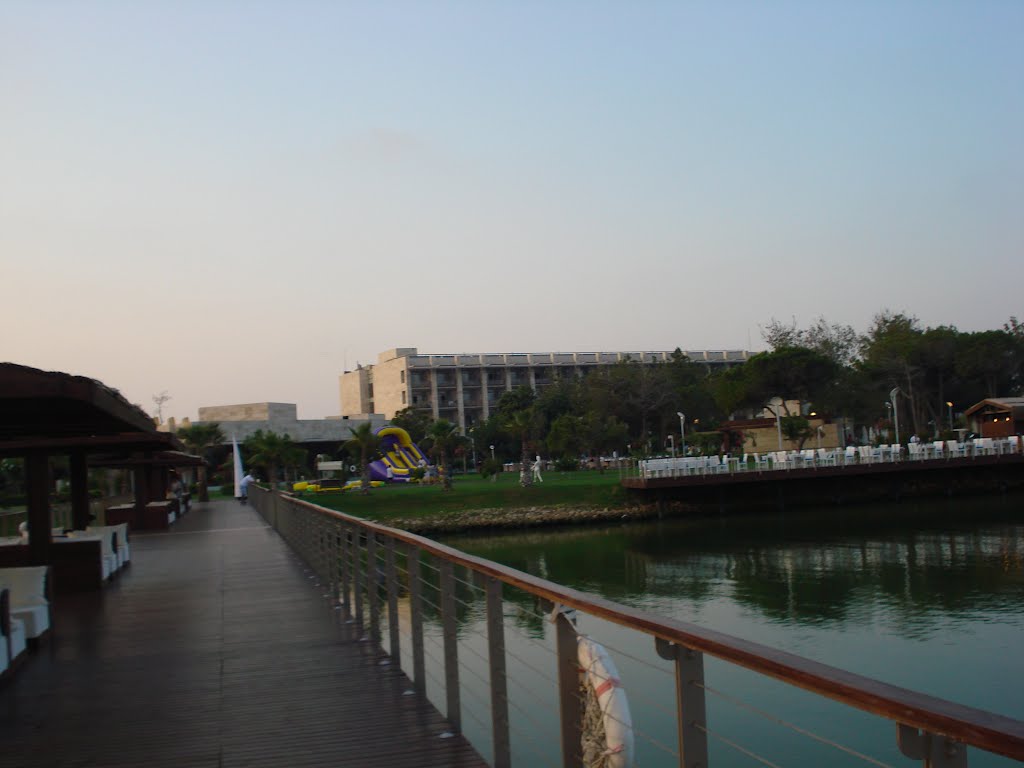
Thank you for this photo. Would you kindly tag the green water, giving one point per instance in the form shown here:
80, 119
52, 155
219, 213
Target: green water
927, 595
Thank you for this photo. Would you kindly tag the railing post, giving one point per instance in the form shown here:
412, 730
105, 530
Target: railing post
569, 706
690, 705
932, 750
419, 673
345, 565
372, 591
449, 626
499, 682
394, 648
360, 575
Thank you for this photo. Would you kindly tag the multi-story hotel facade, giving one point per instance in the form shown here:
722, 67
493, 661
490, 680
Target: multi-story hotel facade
465, 388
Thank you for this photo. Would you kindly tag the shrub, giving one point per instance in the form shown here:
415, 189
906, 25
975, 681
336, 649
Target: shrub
490, 467
567, 464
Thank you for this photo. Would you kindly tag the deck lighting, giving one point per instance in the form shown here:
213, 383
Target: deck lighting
949, 404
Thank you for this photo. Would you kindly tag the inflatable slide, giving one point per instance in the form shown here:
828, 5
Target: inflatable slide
400, 453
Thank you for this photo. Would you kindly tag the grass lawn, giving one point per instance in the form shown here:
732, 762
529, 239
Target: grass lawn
470, 492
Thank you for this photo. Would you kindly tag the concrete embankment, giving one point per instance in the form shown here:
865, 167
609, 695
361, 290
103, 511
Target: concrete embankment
532, 517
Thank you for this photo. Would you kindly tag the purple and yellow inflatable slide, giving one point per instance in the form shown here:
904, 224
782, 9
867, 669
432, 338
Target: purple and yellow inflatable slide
399, 452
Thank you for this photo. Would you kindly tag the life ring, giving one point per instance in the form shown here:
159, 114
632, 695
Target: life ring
599, 673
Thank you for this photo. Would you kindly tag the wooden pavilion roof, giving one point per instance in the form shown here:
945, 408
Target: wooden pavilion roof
1010, 405
50, 410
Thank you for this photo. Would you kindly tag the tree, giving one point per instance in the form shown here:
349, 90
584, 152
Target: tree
521, 425
365, 443
837, 342
414, 421
158, 401
796, 429
273, 452
199, 439
442, 439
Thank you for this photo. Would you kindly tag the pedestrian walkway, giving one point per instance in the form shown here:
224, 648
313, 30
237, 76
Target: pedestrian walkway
215, 648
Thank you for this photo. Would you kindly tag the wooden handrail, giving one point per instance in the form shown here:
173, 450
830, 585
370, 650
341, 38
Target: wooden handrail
977, 727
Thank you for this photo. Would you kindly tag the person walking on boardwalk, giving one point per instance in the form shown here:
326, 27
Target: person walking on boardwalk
244, 486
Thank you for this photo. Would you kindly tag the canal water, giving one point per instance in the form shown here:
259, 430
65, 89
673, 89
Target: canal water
927, 595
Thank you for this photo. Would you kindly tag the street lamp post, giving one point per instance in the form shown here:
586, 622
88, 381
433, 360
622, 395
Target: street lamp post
672, 442
778, 422
895, 412
492, 453
949, 404
682, 432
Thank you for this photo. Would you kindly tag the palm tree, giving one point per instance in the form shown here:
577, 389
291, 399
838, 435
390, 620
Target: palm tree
442, 438
521, 424
366, 443
199, 439
273, 451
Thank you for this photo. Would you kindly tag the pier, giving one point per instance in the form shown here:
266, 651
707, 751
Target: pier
215, 648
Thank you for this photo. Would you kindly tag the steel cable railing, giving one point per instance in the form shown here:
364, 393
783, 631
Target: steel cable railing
446, 607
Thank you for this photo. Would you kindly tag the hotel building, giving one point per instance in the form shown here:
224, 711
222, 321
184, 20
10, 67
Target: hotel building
464, 388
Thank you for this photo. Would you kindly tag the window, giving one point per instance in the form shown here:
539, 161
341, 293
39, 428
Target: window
402, 376
403, 398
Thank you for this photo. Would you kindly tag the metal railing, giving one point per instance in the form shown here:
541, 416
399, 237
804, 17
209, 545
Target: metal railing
512, 685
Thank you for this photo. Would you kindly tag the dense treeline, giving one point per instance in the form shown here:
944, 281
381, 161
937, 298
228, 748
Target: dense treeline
828, 367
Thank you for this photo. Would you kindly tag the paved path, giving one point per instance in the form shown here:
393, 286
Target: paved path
214, 648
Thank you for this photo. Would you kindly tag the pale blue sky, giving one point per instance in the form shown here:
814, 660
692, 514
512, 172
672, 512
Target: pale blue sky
231, 200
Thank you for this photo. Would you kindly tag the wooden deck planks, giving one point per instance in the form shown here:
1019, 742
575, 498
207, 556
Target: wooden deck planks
214, 648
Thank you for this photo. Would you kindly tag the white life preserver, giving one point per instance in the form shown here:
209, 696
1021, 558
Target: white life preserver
600, 673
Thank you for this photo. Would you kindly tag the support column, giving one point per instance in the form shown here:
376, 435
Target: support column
79, 491
460, 401
142, 493
37, 485
485, 393
434, 405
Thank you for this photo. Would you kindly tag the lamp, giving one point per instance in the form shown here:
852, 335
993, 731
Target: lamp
949, 404
682, 432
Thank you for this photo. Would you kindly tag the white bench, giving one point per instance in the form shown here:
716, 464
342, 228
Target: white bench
28, 587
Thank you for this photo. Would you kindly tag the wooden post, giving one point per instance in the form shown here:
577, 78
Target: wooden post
37, 485
690, 705
570, 709
391, 573
416, 619
499, 683
449, 629
79, 491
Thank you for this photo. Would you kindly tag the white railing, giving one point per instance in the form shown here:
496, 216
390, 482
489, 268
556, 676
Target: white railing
813, 458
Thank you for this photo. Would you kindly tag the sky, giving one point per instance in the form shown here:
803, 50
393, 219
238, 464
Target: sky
234, 202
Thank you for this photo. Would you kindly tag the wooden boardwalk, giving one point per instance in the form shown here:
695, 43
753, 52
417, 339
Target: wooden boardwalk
214, 648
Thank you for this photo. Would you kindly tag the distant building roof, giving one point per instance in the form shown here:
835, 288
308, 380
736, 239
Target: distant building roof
1011, 405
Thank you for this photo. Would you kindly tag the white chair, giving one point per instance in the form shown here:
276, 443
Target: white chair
850, 455
826, 458
955, 450
12, 632
108, 550
28, 587
764, 462
122, 550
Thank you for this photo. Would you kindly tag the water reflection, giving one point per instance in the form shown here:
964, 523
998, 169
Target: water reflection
929, 596
805, 569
